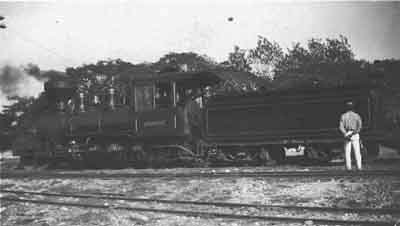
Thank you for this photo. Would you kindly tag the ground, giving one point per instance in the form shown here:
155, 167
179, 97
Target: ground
352, 192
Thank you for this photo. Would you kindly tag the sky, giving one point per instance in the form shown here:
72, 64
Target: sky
60, 34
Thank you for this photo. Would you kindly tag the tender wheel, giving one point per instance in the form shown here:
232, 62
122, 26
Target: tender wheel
318, 154
265, 157
370, 149
278, 154
25, 160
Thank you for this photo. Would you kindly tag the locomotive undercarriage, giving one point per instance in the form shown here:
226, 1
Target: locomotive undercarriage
124, 152
315, 153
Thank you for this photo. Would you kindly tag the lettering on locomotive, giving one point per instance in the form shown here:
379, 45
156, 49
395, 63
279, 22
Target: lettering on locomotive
155, 123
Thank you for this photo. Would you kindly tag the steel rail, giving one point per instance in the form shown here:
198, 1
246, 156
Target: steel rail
324, 173
117, 196
204, 214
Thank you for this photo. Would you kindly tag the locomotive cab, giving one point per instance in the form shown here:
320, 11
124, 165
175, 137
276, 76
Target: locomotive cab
166, 116
168, 105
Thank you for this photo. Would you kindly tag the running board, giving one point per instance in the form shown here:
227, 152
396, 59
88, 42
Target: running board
181, 147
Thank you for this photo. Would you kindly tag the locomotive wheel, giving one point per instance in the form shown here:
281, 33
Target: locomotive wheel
318, 154
26, 146
25, 160
265, 158
115, 155
158, 157
199, 148
136, 156
121, 159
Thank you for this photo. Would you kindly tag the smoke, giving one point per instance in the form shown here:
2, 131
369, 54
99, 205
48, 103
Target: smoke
23, 81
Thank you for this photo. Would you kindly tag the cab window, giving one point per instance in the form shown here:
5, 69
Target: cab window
185, 94
144, 97
163, 95
123, 96
120, 96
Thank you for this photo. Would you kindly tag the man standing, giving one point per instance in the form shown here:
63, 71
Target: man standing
350, 126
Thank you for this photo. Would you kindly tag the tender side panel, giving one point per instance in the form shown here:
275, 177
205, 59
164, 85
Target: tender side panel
288, 118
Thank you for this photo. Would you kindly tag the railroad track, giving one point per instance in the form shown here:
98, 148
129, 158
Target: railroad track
96, 175
208, 214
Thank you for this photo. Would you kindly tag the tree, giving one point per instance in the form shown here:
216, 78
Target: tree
264, 57
322, 63
317, 50
14, 113
94, 78
296, 60
188, 61
238, 60
106, 67
339, 51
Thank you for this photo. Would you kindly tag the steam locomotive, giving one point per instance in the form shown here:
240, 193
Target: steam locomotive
160, 119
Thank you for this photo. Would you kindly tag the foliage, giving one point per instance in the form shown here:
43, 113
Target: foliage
389, 72
239, 82
90, 71
94, 78
234, 72
238, 60
23, 110
184, 62
265, 56
321, 63
328, 62
109, 67
11, 118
